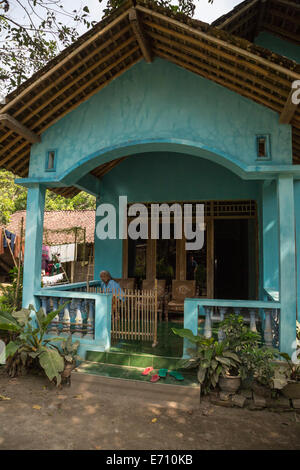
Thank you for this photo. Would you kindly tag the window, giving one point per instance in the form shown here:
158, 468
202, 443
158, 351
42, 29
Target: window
263, 147
51, 160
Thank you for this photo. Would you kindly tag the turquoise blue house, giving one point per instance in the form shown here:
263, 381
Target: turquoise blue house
161, 108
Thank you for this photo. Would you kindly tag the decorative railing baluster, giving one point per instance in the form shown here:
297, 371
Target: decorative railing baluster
66, 329
54, 325
221, 334
253, 320
90, 319
207, 324
44, 304
268, 328
78, 319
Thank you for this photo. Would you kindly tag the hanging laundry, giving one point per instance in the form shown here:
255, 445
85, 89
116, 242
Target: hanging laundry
50, 280
66, 252
45, 257
9, 236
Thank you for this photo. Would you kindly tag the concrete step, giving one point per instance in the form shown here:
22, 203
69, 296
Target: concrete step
135, 360
107, 378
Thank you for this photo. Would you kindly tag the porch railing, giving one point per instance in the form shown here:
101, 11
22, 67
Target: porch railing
261, 316
86, 315
131, 314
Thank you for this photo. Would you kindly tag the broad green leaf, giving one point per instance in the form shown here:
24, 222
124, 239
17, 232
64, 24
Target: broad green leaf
50, 316
33, 354
40, 317
56, 338
187, 334
22, 316
208, 354
7, 317
201, 374
52, 363
9, 327
11, 349
223, 360
285, 356
232, 355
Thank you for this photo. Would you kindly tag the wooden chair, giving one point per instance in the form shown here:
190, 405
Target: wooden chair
126, 283
180, 291
161, 293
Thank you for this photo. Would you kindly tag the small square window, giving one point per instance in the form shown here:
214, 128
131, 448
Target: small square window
263, 147
51, 160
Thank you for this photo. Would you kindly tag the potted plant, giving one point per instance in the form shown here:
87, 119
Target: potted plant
256, 360
30, 349
215, 363
290, 378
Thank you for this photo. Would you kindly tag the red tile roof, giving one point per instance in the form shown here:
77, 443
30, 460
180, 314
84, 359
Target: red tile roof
56, 221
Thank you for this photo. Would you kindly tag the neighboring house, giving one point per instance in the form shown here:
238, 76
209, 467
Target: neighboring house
159, 107
62, 230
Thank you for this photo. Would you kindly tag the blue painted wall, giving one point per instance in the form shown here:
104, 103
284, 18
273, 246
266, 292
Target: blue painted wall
160, 102
297, 221
165, 177
278, 45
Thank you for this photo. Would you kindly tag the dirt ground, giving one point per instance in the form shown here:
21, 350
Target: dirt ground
38, 416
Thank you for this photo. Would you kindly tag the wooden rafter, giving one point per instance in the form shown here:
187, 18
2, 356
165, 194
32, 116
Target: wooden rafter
239, 13
139, 34
107, 52
12, 124
103, 169
261, 15
289, 109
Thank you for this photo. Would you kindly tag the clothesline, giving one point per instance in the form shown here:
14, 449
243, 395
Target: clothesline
10, 238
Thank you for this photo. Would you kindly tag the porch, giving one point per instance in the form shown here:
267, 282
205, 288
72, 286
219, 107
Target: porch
247, 263
133, 336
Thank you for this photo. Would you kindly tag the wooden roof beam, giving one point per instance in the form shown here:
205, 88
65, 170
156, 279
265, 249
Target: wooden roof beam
261, 15
289, 109
139, 34
14, 125
236, 15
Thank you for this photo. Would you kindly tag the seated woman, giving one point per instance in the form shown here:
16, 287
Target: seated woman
108, 284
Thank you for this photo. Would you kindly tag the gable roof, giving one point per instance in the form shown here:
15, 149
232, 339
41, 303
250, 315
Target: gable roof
55, 221
249, 18
141, 29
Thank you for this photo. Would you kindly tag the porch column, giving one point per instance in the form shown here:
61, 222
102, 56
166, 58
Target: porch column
33, 243
109, 252
287, 262
270, 236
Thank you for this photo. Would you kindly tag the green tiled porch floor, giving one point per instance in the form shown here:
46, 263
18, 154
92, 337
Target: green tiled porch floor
128, 358
134, 373
169, 344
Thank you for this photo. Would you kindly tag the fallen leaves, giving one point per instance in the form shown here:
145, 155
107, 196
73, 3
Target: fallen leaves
36, 407
2, 397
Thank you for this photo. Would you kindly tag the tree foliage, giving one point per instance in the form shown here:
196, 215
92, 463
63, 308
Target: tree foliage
13, 198
45, 27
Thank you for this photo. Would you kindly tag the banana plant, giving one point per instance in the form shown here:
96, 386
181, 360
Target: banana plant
30, 345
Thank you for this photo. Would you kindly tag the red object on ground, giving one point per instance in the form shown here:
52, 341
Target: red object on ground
154, 378
147, 370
